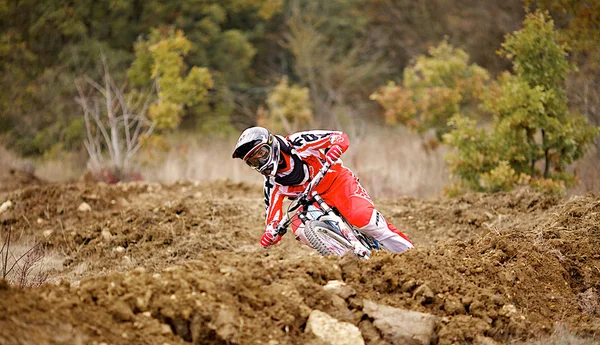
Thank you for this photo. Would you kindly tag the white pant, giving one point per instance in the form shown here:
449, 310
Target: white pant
378, 229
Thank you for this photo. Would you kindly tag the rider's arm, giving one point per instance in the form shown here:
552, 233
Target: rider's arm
273, 201
319, 140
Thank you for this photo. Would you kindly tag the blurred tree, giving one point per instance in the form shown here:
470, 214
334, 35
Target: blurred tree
341, 50
159, 61
531, 119
433, 89
232, 54
57, 34
407, 28
289, 109
224, 35
330, 55
541, 62
13, 52
63, 41
119, 121
579, 22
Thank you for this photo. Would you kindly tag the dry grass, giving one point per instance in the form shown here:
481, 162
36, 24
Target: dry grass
26, 263
389, 162
589, 302
202, 160
66, 169
9, 160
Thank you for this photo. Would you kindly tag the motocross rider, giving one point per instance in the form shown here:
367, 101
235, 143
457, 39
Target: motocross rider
288, 165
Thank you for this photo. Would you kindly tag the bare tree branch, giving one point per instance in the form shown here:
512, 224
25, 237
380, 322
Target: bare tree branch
90, 144
147, 133
95, 85
119, 119
114, 137
100, 126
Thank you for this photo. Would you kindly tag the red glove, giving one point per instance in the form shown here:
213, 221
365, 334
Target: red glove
268, 239
334, 153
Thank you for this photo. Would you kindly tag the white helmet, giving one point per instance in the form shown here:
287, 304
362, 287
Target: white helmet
259, 148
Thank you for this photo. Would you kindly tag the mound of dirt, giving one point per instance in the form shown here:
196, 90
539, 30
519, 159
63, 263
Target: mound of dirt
440, 219
15, 173
181, 263
14, 178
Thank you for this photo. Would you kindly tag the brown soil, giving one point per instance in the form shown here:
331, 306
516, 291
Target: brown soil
14, 178
180, 263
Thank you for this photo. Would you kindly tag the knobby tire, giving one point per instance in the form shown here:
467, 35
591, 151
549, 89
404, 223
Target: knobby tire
321, 235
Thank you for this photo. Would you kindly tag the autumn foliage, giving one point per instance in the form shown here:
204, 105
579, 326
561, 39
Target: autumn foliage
433, 89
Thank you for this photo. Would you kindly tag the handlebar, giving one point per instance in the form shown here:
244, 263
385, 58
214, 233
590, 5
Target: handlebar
281, 228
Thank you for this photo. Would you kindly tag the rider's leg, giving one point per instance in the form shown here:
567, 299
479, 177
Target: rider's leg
353, 202
383, 231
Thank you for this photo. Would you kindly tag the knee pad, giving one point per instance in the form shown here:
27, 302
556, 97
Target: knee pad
360, 217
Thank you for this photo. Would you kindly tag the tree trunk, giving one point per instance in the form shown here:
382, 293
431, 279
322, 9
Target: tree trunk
546, 154
531, 142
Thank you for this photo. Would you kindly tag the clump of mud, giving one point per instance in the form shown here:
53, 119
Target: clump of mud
181, 263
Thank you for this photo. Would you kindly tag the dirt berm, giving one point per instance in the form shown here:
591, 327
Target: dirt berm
181, 263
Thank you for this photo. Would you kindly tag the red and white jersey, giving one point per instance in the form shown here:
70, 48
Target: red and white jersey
309, 147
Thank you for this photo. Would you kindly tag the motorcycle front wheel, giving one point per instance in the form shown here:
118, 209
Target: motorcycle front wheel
326, 239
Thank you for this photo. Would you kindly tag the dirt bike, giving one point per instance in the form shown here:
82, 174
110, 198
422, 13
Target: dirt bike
324, 227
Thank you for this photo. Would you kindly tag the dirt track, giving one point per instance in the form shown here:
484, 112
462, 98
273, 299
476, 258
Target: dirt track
156, 264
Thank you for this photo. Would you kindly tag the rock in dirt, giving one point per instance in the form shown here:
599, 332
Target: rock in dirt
118, 249
339, 288
84, 207
165, 329
106, 235
424, 294
399, 326
508, 310
5, 206
332, 331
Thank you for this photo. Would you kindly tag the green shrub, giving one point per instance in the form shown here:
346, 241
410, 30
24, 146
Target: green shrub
290, 108
533, 132
501, 178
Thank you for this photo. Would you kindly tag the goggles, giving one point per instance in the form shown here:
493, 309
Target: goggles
259, 157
